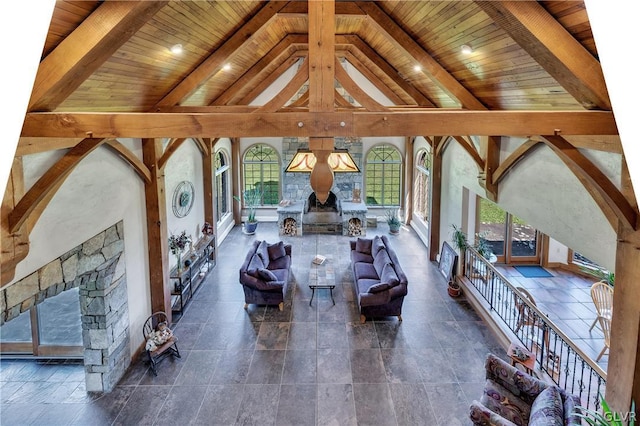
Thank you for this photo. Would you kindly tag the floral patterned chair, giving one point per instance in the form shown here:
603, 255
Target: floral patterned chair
513, 397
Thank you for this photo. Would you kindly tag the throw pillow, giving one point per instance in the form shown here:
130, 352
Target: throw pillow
377, 288
389, 275
547, 409
380, 260
255, 264
363, 245
377, 245
266, 275
263, 252
276, 251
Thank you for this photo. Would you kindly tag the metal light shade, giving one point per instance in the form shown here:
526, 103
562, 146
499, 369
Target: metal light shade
339, 160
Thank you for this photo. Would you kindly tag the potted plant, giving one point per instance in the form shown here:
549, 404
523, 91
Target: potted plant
251, 198
177, 244
393, 220
600, 274
459, 239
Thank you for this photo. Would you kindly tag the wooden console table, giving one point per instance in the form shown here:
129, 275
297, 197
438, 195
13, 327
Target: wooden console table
185, 283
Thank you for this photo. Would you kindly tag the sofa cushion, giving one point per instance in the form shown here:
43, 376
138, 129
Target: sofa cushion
267, 275
364, 284
276, 251
377, 288
366, 270
356, 257
376, 245
255, 264
280, 263
389, 275
547, 408
263, 252
501, 401
379, 260
363, 245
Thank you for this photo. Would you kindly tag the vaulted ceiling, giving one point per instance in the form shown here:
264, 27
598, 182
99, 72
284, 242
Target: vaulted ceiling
107, 71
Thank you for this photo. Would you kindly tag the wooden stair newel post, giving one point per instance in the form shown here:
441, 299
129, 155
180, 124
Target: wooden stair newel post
157, 234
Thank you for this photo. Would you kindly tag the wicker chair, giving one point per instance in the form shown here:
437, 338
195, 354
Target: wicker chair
158, 352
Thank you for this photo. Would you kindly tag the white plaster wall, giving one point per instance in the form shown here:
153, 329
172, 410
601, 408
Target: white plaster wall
368, 87
558, 252
547, 195
185, 165
542, 191
101, 191
277, 86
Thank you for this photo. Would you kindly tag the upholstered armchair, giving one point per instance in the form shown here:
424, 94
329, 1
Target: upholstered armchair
513, 397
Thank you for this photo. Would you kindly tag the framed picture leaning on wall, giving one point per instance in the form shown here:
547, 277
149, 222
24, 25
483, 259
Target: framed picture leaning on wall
448, 258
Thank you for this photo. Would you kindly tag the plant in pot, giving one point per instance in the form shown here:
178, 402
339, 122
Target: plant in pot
393, 220
251, 199
177, 244
459, 239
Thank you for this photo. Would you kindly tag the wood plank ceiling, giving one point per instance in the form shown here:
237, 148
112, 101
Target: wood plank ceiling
107, 70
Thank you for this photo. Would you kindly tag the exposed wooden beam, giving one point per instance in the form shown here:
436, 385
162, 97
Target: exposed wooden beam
169, 150
436, 195
288, 91
27, 146
404, 42
514, 158
282, 52
95, 40
597, 180
355, 91
491, 151
372, 77
553, 47
605, 143
472, 151
329, 124
321, 55
216, 61
264, 83
33, 201
126, 154
157, 234
208, 184
362, 49
15, 245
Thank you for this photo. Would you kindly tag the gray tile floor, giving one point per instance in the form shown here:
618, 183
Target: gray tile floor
306, 365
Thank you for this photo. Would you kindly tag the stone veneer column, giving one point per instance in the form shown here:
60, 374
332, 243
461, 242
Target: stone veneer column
97, 267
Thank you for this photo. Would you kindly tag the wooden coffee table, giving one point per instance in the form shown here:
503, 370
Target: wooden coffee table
322, 276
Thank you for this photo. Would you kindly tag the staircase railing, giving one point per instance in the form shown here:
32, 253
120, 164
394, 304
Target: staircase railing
557, 356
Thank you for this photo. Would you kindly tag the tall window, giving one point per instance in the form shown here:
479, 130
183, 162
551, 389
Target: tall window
383, 176
261, 171
510, 238
421, 195
222, 185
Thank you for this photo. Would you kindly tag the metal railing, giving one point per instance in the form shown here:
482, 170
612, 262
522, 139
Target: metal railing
557, 356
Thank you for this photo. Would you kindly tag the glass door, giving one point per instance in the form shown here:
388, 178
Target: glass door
52, 328
493, 227
524, 240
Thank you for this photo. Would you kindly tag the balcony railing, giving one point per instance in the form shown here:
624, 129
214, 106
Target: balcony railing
557, 356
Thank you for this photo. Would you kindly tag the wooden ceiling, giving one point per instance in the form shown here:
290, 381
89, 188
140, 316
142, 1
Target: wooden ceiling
107, 70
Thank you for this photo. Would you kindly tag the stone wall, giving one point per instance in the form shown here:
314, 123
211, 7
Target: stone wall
297, 186
97, 268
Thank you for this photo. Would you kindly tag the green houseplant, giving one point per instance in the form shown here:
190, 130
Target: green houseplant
607, 417
177, 244
393, 220
459, 239
251, 199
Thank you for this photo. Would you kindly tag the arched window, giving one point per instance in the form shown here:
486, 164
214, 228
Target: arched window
222, 185
421, 195
261, 170
383, 176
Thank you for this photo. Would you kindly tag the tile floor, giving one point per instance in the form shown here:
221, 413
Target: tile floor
307, 365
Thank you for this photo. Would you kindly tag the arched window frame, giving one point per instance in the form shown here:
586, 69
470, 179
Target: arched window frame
422, 184
223, 184
383, 176
260, 164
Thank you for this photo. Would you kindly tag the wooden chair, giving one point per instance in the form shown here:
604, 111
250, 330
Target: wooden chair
525, 314
605, 324
169, 347
602, 295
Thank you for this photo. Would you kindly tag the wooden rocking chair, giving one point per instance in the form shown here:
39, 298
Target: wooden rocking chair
168, 347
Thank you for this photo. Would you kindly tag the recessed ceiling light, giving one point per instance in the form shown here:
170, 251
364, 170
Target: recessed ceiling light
176, 49
417, 68
226, 67
466, 49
